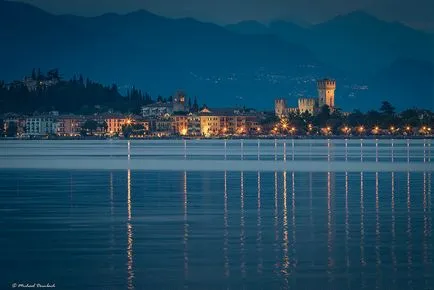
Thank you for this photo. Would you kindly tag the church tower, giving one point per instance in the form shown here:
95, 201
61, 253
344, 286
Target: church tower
326, 92
179, 102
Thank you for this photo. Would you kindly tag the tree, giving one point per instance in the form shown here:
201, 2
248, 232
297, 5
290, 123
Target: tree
195, 108
90, 126
387, 109
12, 129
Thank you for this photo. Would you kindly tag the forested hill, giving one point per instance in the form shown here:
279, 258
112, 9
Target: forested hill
48, 92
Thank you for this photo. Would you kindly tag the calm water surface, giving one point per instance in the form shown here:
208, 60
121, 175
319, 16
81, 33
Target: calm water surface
203, 229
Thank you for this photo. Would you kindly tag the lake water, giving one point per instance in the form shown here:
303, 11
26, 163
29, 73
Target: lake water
302, 214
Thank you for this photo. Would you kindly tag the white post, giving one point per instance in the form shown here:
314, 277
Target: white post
275, 149
408, 150
259, 156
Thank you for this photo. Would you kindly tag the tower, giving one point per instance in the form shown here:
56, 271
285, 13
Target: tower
307, 104
326, 92
179, 102
280, 107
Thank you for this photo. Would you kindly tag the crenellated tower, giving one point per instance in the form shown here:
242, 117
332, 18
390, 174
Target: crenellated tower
280, 107
326, 92
307, 104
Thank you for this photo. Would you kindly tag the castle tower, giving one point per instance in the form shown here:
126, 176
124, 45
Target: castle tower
326, 92
179, 102
307, 104
280, 107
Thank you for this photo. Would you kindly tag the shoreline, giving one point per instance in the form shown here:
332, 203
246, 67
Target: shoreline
223, 138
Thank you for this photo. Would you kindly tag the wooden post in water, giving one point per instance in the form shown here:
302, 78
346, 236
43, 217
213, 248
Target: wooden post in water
185, 149
259, 154
424, 150
408, 150
376, 150
242, 149
225, 148
393, 159
346, 149
129, 149
275, 149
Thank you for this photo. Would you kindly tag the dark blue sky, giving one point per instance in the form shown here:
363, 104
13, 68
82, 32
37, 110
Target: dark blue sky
417, 13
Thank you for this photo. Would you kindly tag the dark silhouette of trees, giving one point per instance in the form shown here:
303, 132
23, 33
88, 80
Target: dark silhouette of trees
76, 95
12, 129
195, 107
90, 126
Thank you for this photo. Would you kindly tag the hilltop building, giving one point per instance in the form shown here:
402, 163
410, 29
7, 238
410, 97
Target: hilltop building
326, 96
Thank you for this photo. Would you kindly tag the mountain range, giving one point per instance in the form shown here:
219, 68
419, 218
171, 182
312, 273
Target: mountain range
248, 63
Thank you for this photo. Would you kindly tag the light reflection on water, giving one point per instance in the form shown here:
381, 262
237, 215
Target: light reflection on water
230, 229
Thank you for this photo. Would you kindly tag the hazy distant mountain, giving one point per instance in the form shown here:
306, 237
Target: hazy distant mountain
249, 27
154, 53
248, 67
407, 82
357, 42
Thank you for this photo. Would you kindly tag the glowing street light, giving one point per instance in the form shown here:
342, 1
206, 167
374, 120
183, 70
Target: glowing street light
361, 129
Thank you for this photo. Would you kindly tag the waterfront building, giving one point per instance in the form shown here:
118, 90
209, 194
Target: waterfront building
18, 122
180, 124
41, 126
193, 125
69, 125
115, 123
227, 121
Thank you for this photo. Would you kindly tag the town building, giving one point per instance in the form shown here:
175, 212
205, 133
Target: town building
227, 121
115, 123
69, 125
180, 124
157, 109
193, 125
41, 126
17, 122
